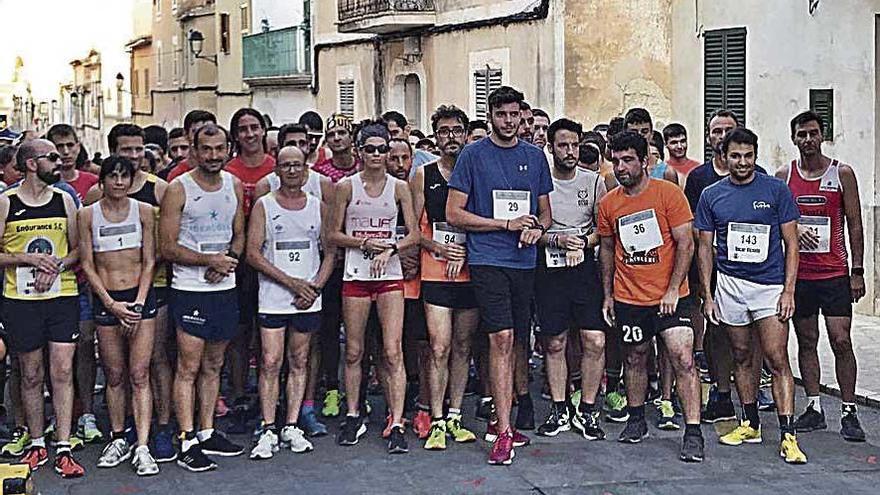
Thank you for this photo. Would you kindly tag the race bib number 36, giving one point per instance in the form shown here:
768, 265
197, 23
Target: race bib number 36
507, 205
748, 242
640, 232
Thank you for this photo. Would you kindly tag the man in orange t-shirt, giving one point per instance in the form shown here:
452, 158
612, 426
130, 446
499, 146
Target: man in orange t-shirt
646, 249
676, 139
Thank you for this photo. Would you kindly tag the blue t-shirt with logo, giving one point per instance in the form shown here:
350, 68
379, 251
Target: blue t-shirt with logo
484, 167
764, 202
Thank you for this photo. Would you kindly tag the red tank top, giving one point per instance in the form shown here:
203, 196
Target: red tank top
820, 202
249, 176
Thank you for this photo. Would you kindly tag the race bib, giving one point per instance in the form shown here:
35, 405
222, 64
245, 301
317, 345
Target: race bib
357, 262
26, 280
508, 205
556, 256
294, 258
821, 228
748, 242
210, 248
640, 232
447, 234
119, 237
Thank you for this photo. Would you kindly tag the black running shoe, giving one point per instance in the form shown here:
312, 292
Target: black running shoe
195, 460
850, 429
484, 409
525, 414
691, 448
587, 424
352, 430
810, 420
718, 410
397, 441
634, 432
218, 444
556, 422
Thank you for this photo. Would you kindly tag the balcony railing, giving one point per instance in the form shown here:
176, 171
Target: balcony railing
380, 16
283, 53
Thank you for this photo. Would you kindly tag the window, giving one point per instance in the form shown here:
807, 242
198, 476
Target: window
175, 58
822, 102
157, 6
174, 4
159, 56
485, 81
146, 82
724, 72
346, 98
245, 18
135, 83
224, 33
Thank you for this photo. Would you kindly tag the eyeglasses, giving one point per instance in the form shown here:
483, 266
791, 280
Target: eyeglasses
52, 157
372, 149
290, 166
445, 132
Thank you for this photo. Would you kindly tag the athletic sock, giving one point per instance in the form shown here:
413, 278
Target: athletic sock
115, 435
786, 425
308, 404
695, 430
452, 412
39, 442
187, 440
750, 413
815, 401
559, 405
585, 408
205, 434
636, 413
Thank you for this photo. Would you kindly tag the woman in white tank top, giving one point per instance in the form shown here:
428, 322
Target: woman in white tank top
365, 214
283, 245
117, 254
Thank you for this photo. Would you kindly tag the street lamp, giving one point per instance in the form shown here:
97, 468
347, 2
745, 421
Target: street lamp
196, 43
120, 81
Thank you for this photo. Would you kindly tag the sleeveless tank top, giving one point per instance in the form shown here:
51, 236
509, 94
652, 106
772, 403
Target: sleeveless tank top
205, 227
659, 170
371, 217
147, 194
573, 203
433, 226
820, 202
312, 185
109, 236
292, 238
36, 229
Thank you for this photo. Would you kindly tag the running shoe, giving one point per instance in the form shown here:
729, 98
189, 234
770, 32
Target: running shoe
634, 432
238, 417
35, 457
194, 460
295, 440
308, 422
574, 399
615, 408
545, 391
266, 446
691, 448
502, 450
332, 399
143, 463
717, 410
115, 453
352, 429
654, 393
557, 422
76, 444
49, 432
766, 378
765, 400
666, 419
87, 429
437, 437
810, 420
66, 465
587, 424
790, 451
519, 440
525, 414
220, 408
163, 445
484, 409
701, 362
397, 441
459, 433
218, 444
491, 432
744, 433
21, 441
850, 429
421, 424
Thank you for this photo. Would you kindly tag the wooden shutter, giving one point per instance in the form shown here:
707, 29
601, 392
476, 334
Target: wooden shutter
346, 98
822, 102
724, 73
485, 81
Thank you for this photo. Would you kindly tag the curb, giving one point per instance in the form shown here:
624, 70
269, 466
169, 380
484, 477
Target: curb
864, 397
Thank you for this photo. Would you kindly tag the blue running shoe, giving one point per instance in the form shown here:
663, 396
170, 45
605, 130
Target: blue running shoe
163, 445
309, 423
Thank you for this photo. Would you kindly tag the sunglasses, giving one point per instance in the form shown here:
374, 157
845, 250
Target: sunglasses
371, 149
52, 157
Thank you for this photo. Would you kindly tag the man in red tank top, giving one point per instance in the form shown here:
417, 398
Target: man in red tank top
344, 162
827, 195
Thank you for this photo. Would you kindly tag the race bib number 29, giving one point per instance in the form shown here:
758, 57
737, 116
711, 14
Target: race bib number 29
508, 205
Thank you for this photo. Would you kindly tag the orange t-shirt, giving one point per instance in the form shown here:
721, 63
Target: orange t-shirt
683, 167
642, 277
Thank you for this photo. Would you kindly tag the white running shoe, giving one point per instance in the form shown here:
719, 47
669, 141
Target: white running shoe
143, 462
266, 446
115, 453
296, 440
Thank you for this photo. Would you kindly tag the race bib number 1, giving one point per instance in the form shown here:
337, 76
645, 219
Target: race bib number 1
640, 232
821, 228
26, 279
748, 242
508, 205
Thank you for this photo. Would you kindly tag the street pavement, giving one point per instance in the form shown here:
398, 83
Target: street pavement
566, 464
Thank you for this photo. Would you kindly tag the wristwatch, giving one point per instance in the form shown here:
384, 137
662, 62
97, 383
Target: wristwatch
858, 271
137, 308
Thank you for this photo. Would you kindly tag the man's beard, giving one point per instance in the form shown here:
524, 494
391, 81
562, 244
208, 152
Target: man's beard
49, 177
212, 170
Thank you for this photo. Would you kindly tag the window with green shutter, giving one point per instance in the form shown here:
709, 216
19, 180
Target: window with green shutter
724, 73
822, 102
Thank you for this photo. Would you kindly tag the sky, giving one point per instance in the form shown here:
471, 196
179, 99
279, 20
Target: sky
48, 34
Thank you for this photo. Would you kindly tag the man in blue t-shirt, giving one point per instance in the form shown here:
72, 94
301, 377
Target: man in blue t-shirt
747, 218
499, 193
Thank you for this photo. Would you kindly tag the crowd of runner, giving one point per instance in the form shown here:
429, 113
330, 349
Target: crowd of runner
443, 263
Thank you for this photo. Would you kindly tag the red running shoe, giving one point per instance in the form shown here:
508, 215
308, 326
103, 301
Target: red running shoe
67, 467
421, 424
502, 450
35, 457
520, 440
387, 431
